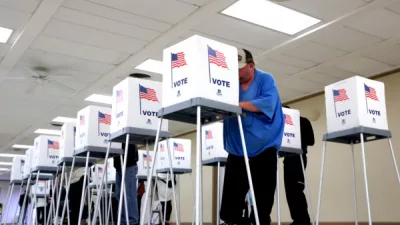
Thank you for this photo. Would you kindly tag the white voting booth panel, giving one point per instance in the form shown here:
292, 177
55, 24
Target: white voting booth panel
28, 162
17, 168
213, 142
96, 173
354, 102
200, 67
180, 149
46, 151
111, 172
67, 140
93, 127
43, 187
136, 103
291, 133
144, 163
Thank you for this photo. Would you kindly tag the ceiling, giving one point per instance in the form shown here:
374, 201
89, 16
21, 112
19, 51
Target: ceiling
90, 45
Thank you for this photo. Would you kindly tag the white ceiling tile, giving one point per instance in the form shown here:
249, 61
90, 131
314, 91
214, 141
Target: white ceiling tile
93, 37
13, 19
5, 137
21, 5
195, 2
105, 24
76, 50
287, 94
316, 77
232, 29
271, 65
333, 71
170, 11
395, 7
326, 9
4, 49
343, 38
379, 22
33, 57
314, 52
388, 55
285, 59
360, 65
298, 84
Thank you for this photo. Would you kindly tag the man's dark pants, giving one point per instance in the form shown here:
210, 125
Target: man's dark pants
236, 185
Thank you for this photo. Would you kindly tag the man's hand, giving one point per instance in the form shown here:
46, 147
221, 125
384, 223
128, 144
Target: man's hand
248, 106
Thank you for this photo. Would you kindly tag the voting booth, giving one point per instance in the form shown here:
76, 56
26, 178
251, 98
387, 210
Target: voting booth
46, 151
199, 67
111, 172
67, 140
96, 171
291, 140
93, 128
42, 188
180, 150
356, 101
144, 163
213, 144
28, 161
136, 103
17, 168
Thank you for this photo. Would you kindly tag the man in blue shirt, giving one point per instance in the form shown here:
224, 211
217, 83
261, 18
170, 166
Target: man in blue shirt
263, 124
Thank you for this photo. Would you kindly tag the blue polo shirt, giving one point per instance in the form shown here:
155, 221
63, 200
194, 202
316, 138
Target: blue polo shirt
261, 130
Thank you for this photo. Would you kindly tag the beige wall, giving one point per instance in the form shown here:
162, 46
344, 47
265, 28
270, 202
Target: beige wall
337, 202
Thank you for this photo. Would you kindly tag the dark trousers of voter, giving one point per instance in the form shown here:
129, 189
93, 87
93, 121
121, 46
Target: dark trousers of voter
294, 188
263, 171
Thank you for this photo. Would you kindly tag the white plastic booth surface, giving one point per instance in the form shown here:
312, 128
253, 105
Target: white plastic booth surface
180, 150
17, 168
291, 140
46, 151
28, 161
67, 140
144, 164
213, 143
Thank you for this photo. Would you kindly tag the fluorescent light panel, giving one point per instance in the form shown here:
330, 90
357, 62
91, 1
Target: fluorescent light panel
4, 169
5, 34
271, 15
60, 119
10, 155
6, 163
48, 132
151, 65
105, 99
22, 146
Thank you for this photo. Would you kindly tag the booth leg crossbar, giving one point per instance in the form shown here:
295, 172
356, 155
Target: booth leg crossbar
356, 135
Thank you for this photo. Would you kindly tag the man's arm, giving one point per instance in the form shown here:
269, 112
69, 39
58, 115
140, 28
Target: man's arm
249, 107
267, 101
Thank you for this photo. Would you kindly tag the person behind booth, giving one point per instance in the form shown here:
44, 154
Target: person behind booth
41, 206
263, 124
165, 194
20, 203
294, 177
140, 191
130, 184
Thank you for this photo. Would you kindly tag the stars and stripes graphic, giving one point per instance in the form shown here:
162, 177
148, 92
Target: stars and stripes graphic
104, 118
22, 162
178, 147
81, 120
147, 158
288, 120
178, 60
217, 58
99, 170
370, 93
148, 93
209, 134
162, 148
340, 95
119, 96
53, 144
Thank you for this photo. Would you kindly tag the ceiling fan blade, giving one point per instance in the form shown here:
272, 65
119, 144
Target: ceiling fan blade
61, 86
62, 76
30, 71
32, 88
16, 78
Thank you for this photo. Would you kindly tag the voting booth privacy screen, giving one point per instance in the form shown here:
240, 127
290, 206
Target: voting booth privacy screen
354, 102
28, 162
93, 127
111, 172
67, 140
43, 188
97, 171
46, 151
291, 133
180, 150
213, 142
17, 168
144, 163
136, 103
200, 67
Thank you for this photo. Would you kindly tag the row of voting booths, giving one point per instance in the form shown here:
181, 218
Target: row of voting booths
199, 87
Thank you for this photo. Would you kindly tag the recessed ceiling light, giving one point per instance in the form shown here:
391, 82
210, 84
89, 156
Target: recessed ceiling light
105, 99
6, 163
60, 119
10, 155
4, 169
22, 146
151, 65
270, 15
48, 132
5, 34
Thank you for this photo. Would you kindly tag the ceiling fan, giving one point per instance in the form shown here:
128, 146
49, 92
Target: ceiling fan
42, 76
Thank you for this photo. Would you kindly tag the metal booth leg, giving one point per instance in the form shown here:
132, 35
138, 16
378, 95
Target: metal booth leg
307, 190
246, 160
83, 188
16, 208
124, 198
35, 196
278, 196
122, 189
67, 189
21, 215
354, 184
8, 200
218, 191
177, 217
365, 178
199, 168
394, 159
321, 178
60, 191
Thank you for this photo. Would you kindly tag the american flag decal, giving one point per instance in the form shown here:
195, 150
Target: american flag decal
370, 93
288, 120
162, 149
119, 96
178, 147
147, 158
217, 58
148, 93
340, 95
53, 144
104, 118
178, 60
209, 134
81, 120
